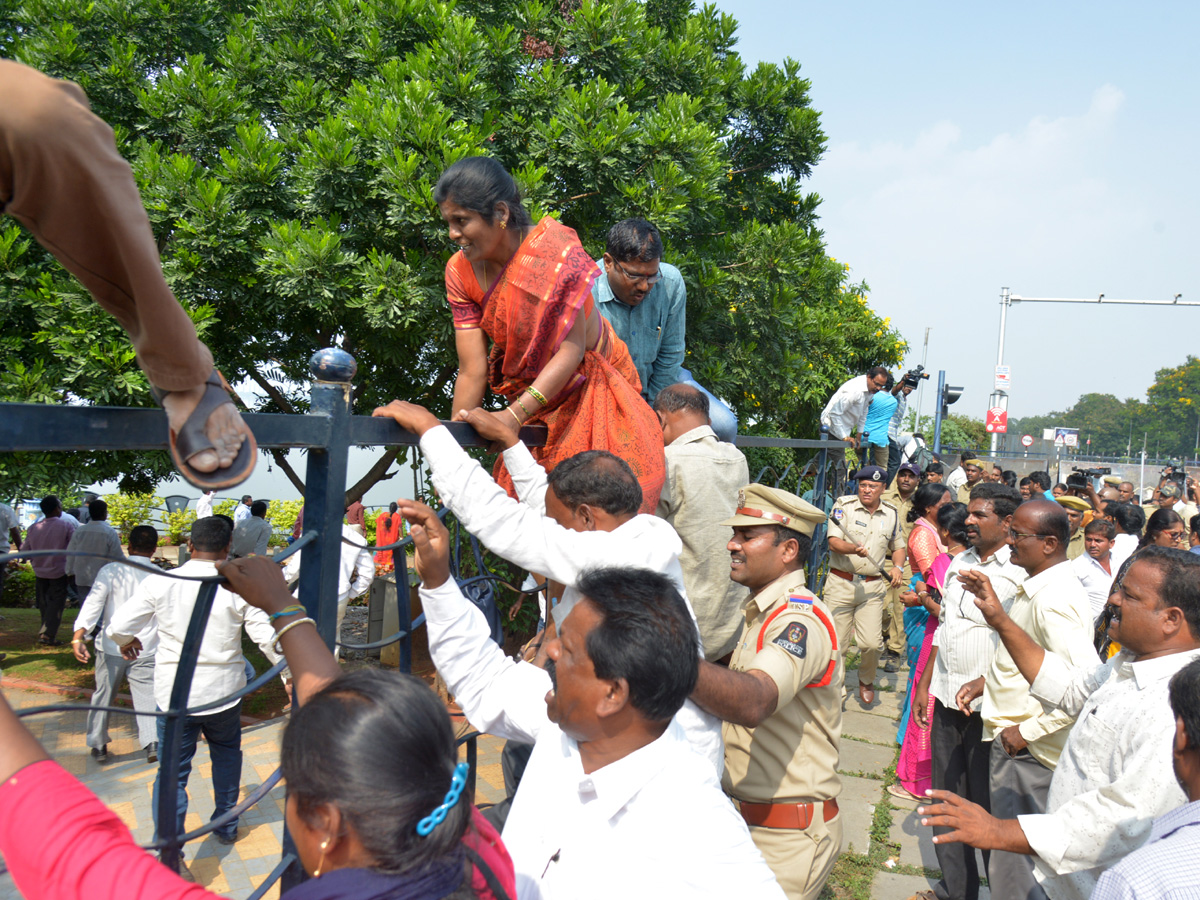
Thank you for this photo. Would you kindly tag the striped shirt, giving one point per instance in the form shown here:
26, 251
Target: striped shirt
965, 641
1165, 868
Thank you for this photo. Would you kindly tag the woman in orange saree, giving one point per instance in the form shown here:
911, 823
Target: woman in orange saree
387, 531
526, 327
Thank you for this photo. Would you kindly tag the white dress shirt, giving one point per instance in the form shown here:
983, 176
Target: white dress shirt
846, 410
1052, 608
204, 505
1095, 580
94, 537
523, 534
956, 479
114, 586
964, 640
220, 667
1115, 774
653, 824
356, 568
1123, 547
242, 512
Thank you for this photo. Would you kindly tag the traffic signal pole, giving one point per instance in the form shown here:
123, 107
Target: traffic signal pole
937, 415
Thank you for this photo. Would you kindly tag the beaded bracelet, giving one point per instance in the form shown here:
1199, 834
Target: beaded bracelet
523, 408
288, 627
537, 395
515, 416
288, 611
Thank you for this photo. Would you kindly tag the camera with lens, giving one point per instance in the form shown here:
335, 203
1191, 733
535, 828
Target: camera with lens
913, 376
1082, 478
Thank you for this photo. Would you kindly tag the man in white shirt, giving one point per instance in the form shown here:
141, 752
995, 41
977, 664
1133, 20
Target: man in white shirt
252, 534
584, 516
1129, 521
356, 571
1115, 773
1095, 569
204, 505
845, 415
1027, 739
114, 585
704, 475
94, 536
220, 666
963, 646
613, 802
958, 475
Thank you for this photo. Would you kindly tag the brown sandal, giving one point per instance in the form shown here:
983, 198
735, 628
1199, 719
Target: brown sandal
192, 439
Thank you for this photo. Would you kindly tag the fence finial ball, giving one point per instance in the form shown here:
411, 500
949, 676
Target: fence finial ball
333, 364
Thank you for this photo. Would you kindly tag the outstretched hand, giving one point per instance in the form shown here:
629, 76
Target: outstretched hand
985, 596
431, 540
409, 416
259, 582
971, 824
498, 427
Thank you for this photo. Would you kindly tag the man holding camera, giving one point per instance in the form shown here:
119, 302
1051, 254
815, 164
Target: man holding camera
845, 415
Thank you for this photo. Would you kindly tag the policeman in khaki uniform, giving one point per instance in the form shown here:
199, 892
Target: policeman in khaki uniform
1076, 509
780, 698
974, 471
900, 495
863, 530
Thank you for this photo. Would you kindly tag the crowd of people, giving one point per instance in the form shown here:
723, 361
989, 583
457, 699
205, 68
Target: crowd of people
675, 727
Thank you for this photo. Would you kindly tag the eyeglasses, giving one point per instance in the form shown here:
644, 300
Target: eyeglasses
1017, 535
635, 278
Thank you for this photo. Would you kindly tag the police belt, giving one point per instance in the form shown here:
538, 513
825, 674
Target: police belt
784, 815
851, 576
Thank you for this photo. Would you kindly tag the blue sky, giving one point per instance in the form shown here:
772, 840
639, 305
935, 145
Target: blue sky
1049, 148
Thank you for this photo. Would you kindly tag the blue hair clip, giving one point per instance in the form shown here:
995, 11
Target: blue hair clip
435, 818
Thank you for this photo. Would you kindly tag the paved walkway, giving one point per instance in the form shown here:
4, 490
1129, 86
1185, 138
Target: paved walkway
894, 868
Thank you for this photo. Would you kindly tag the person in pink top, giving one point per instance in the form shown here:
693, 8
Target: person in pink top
53, 532
365, 828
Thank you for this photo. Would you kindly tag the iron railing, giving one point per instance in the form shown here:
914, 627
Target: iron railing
326, 432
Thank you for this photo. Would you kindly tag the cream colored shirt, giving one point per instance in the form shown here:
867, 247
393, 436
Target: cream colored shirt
879, 532
793, 755
703, 479
1052, 608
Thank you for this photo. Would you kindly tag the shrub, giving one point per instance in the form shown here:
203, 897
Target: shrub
19, 588
178, 523
128, 510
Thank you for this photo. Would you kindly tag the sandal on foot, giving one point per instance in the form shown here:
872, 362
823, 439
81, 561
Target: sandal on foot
192, 439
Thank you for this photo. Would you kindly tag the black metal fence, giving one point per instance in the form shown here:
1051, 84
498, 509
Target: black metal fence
326, 432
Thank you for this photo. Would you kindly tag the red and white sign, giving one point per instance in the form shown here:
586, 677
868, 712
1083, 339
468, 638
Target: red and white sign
1027, 440
997, 420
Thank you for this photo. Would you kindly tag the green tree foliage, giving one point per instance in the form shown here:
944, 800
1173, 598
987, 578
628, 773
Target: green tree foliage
287, 151
1174, 400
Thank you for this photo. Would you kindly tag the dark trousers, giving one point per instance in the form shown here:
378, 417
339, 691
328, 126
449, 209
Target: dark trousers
960, 765
1019, 787
223, 731
51, 597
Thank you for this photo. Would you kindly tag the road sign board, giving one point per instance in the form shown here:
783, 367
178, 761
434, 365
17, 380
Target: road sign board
997, 420
1027, 440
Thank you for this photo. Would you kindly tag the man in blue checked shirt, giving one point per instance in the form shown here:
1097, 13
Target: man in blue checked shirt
645, 301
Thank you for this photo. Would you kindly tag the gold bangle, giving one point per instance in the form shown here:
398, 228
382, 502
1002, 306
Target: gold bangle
537, 395
523, 409
515, 416
76, 642
288, 627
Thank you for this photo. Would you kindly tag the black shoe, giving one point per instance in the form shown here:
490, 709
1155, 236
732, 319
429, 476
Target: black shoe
890, 667
225, 838
49, 641
152, 751
100, 754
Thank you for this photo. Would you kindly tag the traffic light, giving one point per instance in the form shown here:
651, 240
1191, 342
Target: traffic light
949, 395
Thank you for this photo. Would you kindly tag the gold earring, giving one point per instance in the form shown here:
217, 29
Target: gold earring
324, 847
503, 224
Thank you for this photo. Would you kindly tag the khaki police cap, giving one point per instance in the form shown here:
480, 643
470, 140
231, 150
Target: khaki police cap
1114, 480
1072, 502
758, 504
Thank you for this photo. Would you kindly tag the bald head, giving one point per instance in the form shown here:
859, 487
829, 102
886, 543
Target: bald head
681, 407
1049, 519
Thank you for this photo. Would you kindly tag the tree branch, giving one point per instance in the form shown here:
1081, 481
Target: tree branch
375, 474
581, 196
280, 457
272, 392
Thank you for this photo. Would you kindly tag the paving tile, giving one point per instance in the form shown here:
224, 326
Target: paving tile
876, 729
856, 756
888, 886
916, 840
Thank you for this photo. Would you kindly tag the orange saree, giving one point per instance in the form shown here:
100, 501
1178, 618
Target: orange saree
527, 314
387, 531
